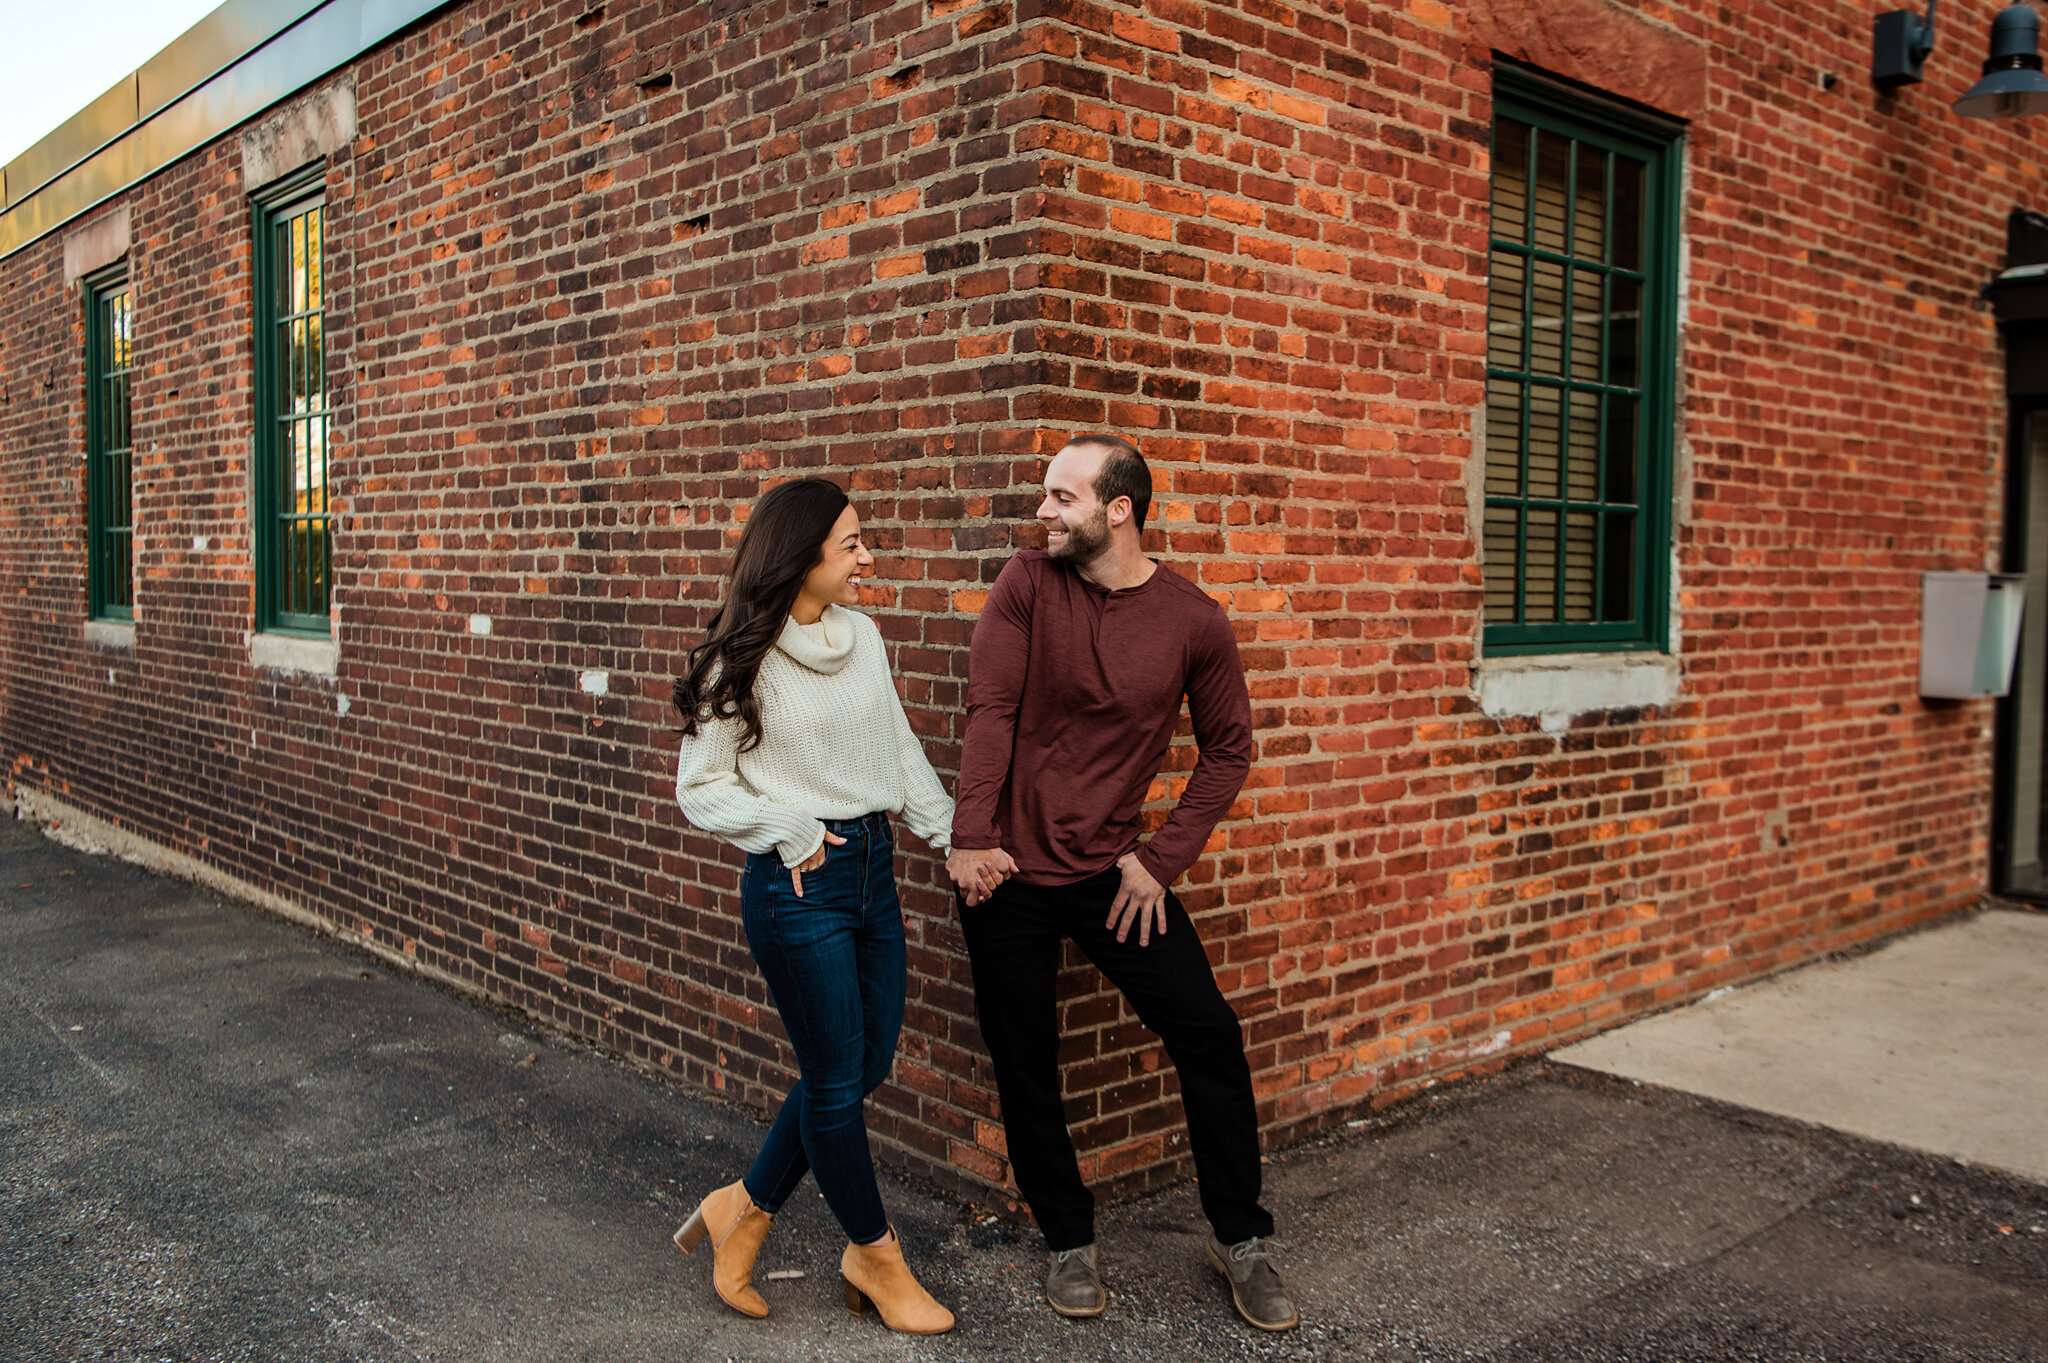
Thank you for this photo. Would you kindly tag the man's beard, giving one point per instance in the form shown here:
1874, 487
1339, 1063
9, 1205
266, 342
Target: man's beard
1087, 541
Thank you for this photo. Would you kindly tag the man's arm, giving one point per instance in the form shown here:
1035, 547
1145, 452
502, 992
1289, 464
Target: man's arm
997, 661
1221, 708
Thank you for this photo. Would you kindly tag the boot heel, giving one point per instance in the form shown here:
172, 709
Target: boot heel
856, 1300
693, 1232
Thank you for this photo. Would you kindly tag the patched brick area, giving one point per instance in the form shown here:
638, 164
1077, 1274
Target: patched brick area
597, 273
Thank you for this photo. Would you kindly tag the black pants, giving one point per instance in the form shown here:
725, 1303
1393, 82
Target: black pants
1013, 944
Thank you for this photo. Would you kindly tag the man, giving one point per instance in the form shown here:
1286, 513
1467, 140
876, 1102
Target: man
1075, 679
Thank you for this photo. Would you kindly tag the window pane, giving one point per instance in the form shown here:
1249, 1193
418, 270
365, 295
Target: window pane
322, 553
117, 331
1539, 595
1586, 325
1618, 564
1589, 209
1582, 450
296, 302
1578, 567
315, 364
1511, 180
1499, 552
1546, 323
282, 343
1619, 450
1627, 239
1546, 443
281, 268
1553, 165
1504, 314
1503, 437
121, 496
302, 472
121, 573
315, 227
316, 466
1624, 328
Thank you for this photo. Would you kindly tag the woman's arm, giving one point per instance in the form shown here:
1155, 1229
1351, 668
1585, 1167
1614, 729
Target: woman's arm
926, 806
713, 798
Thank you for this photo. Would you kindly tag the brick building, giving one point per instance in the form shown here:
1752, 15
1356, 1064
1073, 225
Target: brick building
1565, 398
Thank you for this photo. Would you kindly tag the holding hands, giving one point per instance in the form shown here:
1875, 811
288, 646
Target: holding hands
977, 871
1141, 900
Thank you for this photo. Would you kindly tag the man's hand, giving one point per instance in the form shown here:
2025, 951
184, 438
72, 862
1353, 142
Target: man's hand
1141, 897
813, 861
977, 871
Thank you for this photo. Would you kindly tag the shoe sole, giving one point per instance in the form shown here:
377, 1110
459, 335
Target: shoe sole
859, 1303
1079, 1312
1238, 1302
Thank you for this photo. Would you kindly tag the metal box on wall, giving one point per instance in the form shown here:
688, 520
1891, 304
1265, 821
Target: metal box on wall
1969, 633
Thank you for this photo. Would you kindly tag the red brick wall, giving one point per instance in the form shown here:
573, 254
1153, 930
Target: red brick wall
42, 494
597, 274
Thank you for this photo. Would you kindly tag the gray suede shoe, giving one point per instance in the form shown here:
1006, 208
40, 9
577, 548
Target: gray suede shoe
1073, 1283
1254, 1285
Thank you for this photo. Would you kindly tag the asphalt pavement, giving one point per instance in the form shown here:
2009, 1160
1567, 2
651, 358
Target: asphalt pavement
223, 1137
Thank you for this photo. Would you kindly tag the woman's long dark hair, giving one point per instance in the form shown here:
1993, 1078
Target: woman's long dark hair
784, 539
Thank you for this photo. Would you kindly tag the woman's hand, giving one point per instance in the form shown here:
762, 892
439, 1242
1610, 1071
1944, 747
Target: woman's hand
813, 861
976, 872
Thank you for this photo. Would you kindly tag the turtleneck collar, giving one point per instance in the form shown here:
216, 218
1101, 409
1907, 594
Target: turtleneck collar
823, 647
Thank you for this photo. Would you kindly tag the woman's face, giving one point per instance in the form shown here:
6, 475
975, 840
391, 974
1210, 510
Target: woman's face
836, 579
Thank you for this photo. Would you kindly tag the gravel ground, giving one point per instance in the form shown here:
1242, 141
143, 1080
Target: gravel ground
224, 1138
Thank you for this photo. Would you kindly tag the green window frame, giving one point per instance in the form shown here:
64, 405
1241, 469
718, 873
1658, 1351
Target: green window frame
1580, 372
293, 532
109, 447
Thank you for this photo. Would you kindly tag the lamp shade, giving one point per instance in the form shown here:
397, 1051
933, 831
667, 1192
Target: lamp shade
2013, 85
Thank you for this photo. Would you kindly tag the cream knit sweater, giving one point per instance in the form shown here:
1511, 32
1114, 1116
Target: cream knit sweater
834, 745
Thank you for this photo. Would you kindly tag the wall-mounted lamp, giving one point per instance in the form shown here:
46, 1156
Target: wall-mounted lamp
2013, 85
1900, 47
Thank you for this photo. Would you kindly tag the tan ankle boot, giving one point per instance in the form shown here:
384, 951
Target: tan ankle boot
877, 1276
736, 1227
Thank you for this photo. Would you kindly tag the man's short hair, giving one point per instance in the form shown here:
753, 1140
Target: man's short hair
1123, 473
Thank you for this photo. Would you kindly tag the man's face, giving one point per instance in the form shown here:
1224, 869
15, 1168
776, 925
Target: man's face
1075, 520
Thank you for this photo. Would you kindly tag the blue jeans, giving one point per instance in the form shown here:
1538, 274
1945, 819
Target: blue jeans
834, 963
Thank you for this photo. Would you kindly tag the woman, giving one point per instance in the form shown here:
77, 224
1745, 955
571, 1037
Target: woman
795, 748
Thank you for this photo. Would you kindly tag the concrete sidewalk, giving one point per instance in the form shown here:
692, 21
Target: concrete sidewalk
1937, 1041
224, 1138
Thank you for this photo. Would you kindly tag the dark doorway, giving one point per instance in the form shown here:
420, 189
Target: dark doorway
2020, 842
2019, 836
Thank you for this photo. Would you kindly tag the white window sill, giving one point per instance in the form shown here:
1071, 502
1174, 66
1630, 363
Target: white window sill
117, 636
289, 653
1557, 687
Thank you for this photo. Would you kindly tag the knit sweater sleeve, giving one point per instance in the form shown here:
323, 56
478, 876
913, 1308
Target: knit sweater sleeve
715, 799
926, 806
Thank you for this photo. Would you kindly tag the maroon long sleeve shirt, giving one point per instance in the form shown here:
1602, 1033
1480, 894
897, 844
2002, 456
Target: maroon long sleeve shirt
1073, 692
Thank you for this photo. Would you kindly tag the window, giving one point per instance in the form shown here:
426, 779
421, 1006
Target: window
1580, 323
293, 551
109, 461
